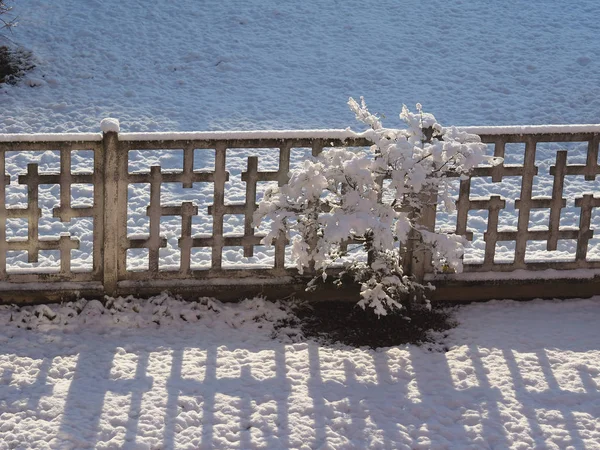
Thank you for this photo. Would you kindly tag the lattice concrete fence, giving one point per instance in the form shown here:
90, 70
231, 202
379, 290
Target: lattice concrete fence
111, 179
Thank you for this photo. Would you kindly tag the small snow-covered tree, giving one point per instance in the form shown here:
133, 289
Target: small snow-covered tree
338, 197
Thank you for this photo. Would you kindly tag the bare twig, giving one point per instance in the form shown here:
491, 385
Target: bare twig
6, 22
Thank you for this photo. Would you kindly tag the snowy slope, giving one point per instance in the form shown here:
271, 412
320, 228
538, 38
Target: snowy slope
262, 64
515, 376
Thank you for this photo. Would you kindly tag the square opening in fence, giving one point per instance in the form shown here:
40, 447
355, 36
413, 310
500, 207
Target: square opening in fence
82, 259
593, 250
15, 196
173, 194
298, 155
570, 216
200, 258
48, 198
137, 259
204, 160
170, 227
508, 219
169, 257
138, 199
169, 160
263, 258
17, 262
504, 253
17, 229
233, 224
47, 161
477, 224
482, 188
576, 151
202, 226
82, 195
539, 219
235, 191
542, 185
536, 251
514, 153
82, 161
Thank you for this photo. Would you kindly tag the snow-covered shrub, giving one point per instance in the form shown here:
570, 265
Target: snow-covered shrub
338, 197
14, 60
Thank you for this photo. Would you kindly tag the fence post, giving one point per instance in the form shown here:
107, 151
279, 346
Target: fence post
416, 258
421, 255
111, 210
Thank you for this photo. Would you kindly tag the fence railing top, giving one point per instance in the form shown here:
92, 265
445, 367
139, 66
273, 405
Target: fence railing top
532, 129
241, 135
51, 137
285, 134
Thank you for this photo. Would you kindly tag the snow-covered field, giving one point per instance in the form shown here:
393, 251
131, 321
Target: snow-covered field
271, 64
517, 375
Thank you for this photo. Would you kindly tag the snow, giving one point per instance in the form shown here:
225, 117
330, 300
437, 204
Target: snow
50, 137
515, 375
266, 134
533, 129
110, 125
277, 65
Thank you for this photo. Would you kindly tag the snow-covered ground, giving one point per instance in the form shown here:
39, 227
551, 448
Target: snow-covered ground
266, 64
515, 375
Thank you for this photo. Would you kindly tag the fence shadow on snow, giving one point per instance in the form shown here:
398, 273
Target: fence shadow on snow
170, 392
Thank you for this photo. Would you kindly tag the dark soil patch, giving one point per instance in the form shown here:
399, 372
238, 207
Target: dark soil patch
346, 323
14, 63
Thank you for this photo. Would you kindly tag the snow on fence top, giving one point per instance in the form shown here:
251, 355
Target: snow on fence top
194, 211
51, 137
113, 125
532, 129
241, 135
